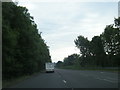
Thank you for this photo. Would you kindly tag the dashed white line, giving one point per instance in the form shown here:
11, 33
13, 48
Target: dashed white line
112, 78
99, 78
64, 81
59, 76
105, 80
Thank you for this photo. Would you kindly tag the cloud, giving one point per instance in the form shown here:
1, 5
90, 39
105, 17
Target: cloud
58, 1
60, 53
61, 23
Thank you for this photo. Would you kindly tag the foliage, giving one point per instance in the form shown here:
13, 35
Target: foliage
83, 44
101, 51
59, 64
71, 60
111, 40
24, 51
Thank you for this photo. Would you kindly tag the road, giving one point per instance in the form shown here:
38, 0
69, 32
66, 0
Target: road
71, 79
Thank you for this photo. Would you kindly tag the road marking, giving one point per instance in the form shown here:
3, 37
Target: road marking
64, 81
99, 78
112, 78
59, 76
105, 80
101, 72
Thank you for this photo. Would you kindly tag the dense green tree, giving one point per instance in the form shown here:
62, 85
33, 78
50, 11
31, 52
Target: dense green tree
59, 64
117, 22
103, 50
24, 51
71, 60
97, 51
111, 40
83, 44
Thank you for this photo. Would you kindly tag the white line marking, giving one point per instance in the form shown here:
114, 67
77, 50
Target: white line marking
112, 78
59, 76
101, 72
99, 78
64, 81
107, 80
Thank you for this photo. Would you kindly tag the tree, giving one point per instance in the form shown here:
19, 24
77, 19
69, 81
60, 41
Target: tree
71, 60
111, 40
59, 64
117, 22
97, 50
84, 45
24, 50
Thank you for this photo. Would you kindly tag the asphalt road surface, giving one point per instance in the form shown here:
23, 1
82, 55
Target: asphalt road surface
71, 79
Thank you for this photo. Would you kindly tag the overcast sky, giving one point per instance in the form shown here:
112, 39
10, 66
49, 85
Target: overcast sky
61, 22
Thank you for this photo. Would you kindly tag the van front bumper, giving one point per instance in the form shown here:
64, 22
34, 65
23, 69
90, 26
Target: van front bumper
50, 70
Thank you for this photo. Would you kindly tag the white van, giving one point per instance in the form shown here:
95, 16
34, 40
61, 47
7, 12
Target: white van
49, 67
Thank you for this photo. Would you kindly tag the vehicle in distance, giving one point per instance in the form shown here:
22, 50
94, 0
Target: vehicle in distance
49, 67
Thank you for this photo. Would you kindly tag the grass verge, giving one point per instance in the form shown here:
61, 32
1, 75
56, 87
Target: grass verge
89, 68
14, 81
